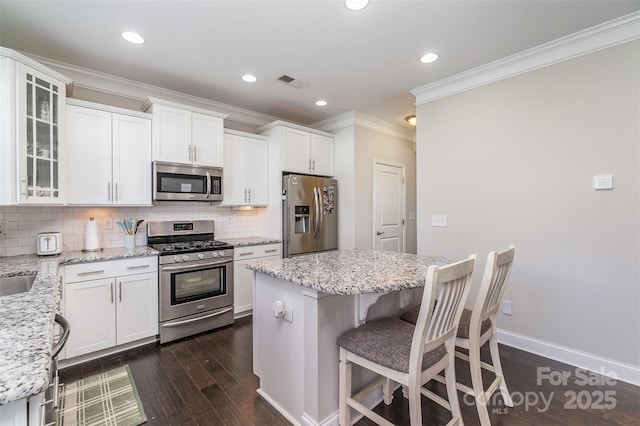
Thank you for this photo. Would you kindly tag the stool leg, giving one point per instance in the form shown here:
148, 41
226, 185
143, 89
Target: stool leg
495, 360
452, 392
476, 382
344, 391
387, 391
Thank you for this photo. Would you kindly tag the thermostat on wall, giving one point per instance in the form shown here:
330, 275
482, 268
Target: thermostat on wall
603, 182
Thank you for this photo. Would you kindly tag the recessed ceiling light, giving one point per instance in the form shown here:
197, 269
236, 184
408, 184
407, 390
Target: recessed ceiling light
132, 37
429, 57
356, 4
321, 103
249, 78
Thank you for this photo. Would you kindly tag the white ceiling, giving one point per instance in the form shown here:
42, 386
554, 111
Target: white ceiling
365, 61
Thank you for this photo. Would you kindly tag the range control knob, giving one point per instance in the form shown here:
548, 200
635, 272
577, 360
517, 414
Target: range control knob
220, 253
200, 256
214, 254
185, 257
177, 258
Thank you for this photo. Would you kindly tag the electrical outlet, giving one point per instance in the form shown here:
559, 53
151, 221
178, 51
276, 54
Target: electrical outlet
288, 313
438, 220
506, 307
108, 224
412, 216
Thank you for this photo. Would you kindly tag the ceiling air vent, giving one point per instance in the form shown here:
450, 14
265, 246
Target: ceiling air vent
290, 81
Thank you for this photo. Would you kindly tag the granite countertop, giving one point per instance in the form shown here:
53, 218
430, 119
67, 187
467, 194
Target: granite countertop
355, 271
27, 319
251, 241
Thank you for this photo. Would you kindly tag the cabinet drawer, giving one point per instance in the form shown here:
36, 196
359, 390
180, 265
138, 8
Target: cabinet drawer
111, 268
251, 252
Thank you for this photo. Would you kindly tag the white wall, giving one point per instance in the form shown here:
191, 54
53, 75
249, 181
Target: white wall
513, 162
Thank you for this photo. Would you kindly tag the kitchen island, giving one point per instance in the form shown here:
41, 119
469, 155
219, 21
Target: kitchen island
302, 304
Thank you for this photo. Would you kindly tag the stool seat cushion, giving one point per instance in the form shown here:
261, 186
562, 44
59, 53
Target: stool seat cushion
411, 316
387, 342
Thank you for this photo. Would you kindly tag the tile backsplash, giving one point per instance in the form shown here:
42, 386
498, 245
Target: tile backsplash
21, 224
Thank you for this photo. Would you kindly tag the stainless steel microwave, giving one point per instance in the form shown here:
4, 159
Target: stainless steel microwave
183, 182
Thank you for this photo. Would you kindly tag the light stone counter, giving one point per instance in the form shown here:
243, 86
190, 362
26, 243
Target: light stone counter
251, 241
27, 319
355, 271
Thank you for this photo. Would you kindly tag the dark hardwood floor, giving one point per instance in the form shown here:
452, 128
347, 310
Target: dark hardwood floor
207, 380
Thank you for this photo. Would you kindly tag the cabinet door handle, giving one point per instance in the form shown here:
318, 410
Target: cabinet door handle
195, 153
190, 154
245, 254
120, 288
91, 272
314, 165
271, 251
108, 191
249, 192
116, 196
24, 187
245, 195
61, 287
309, 167
111, 293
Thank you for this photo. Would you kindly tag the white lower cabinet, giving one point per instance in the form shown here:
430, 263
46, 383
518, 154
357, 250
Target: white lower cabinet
110, 303
243, 277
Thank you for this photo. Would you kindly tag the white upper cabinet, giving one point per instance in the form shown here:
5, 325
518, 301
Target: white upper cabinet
322, 155
304, 150
109, 155
184, 134
32, 124
246, 169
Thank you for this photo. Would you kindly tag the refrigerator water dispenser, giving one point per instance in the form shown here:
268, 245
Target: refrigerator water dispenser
301, 216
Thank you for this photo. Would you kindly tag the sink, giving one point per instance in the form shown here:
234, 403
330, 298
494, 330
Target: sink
17, 284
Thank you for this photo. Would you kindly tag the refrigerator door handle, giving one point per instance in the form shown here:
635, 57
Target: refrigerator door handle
316, 205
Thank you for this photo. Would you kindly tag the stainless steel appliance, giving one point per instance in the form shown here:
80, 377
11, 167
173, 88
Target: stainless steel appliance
182, 182
195, 277
310, 214
49, 412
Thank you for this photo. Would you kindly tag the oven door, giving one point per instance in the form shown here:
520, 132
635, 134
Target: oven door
195, 287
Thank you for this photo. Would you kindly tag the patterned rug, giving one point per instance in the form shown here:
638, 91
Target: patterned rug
109, 398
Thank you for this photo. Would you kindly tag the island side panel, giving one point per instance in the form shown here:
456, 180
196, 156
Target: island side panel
279, 345
326, 317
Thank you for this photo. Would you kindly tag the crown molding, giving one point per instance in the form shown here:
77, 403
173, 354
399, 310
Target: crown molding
599, 37
359, 119
114, 85
19, 57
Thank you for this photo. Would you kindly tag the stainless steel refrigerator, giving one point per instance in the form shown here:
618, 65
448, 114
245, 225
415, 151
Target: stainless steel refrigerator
310, 214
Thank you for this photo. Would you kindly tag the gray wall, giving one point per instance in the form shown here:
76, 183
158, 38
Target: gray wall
513, 162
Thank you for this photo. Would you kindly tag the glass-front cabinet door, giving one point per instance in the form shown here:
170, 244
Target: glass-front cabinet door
40, 102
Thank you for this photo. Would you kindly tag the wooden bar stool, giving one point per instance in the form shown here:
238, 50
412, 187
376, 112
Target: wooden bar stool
477, 327
409, 354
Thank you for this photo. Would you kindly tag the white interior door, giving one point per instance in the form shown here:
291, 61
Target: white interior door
388, 207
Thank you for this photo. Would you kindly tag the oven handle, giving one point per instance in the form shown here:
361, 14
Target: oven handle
176, 324
194, 266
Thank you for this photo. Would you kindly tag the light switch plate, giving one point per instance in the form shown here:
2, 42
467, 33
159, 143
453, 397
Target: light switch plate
603, 182
438, 220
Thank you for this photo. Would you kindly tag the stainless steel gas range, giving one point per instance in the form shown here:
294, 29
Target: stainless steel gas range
195, 277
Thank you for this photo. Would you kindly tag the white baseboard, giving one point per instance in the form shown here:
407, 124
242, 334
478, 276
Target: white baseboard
278, 407
608, 367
